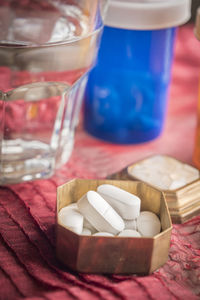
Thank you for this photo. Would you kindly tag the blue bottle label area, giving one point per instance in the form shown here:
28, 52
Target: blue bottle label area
126, 95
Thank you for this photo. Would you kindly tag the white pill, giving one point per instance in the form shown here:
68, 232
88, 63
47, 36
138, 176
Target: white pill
86, 224
103, 234
86, 231
126, 204
71, 218
148, 224
130, 233
66, 208
99, 213
130, 224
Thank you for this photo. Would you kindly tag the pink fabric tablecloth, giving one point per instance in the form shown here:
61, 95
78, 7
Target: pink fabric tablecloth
28, 265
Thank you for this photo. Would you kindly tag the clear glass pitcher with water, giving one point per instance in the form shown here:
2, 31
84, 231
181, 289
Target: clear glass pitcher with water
46, 50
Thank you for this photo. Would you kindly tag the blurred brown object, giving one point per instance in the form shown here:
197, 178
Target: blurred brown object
195, 5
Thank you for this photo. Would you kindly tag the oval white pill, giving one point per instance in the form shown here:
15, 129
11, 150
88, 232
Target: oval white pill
129, 233
86, 231
148, 224
126, 204
99, 213
71, 218
103, 234
86, 224
130, 224
66, 208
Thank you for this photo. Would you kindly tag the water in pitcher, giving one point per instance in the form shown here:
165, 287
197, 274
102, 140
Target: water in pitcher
42, 84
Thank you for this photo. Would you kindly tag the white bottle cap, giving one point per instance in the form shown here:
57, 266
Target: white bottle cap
147, 14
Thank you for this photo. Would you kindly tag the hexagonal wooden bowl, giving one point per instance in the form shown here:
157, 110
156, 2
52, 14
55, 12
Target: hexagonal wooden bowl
118, 255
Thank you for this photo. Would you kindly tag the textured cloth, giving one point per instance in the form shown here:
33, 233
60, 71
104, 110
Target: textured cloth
28, 265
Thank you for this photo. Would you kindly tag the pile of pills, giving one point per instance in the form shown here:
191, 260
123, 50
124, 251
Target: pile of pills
164, 172
109, 211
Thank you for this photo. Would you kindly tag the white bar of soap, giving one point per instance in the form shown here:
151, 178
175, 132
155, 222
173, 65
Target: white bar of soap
129, 233
103, 234
126, 204
71, 218
130, 224
148, 224
99, 213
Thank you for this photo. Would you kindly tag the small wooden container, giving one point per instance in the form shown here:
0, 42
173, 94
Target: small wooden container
118, 255
183, 202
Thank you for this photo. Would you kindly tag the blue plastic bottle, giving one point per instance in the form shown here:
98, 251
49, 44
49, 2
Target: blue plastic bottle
126, 95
